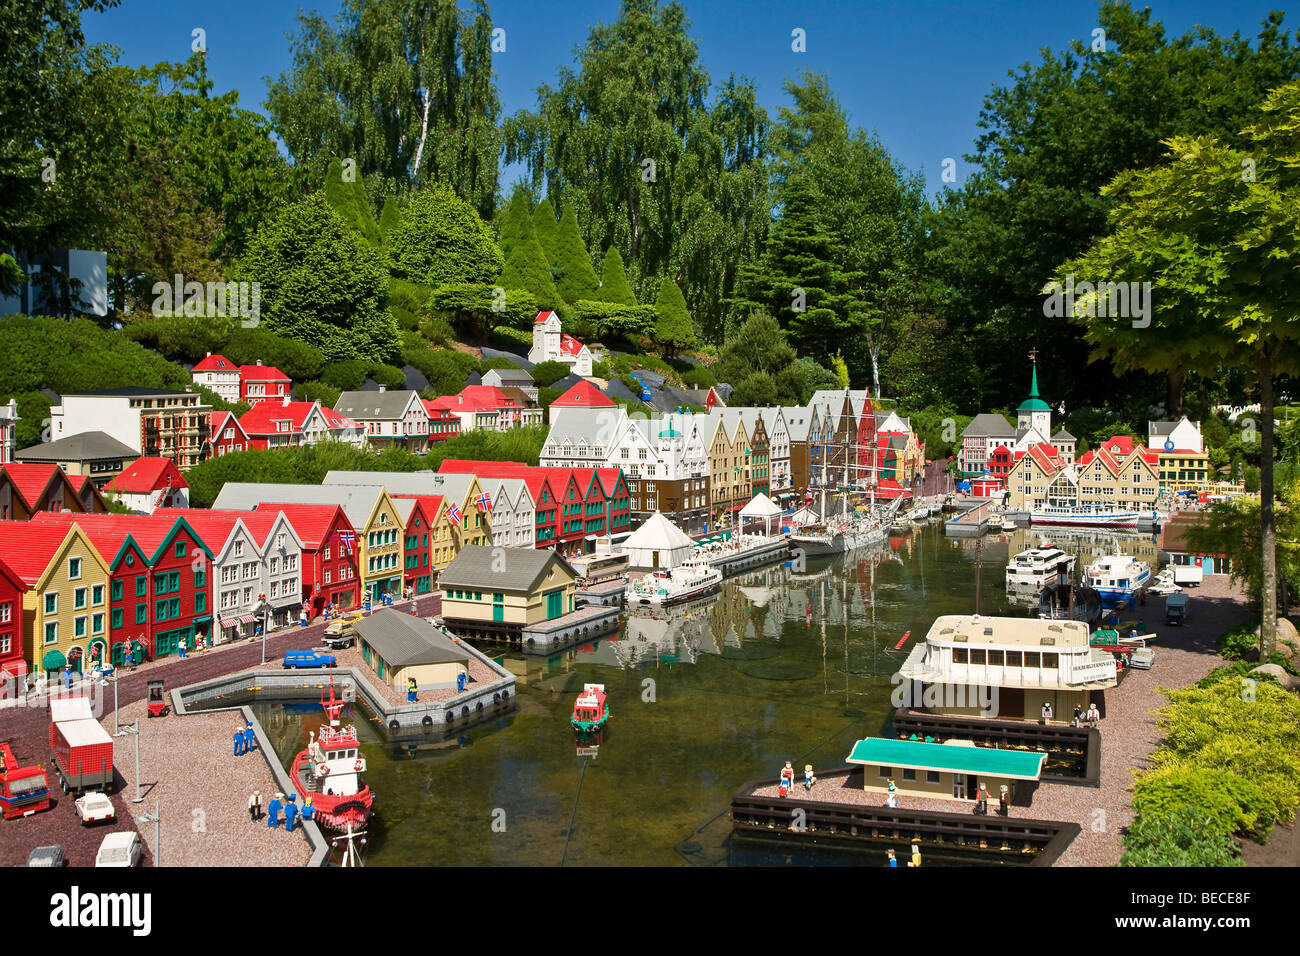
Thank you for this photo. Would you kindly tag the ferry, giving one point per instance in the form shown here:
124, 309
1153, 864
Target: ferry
1039, 568
329, 771
590, 710
1084, 515
1118, 577
691, 579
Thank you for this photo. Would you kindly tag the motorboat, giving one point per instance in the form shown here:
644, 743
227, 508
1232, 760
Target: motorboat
1038, 568
1118, 577
691, 579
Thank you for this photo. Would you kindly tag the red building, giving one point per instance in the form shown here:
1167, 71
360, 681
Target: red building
148, 484
420, 512
227, 434
329, 555
12, 590
260, 383
160, 588
444, 424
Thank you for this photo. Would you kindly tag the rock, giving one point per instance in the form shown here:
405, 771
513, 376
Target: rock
1277, 673
1251, 653
1287, 651
1286, 632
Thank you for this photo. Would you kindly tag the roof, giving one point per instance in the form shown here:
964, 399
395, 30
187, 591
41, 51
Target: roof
798, 420
919, 755
147, 474
261, 418
312, 523
476, 398
1165, 428
31, 480
403, 639
135, 391
85, 446
1023, 631
362, 406
262, 373
215, 363
29, 546
518, 569
1063, 435
357, 501
512, 375
405, 504
570, 345
1033, 403
542, 317
657, 533
989, 424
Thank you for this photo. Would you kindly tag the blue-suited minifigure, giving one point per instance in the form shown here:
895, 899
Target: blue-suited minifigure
291, 812
239, 741
460, 682
411, 689
273, 812
307, 808
249, 737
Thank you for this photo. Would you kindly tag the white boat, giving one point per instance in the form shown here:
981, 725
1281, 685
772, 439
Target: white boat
1038, 568
1084, 515
919, 515
1008, 524
1118, 577
691, 579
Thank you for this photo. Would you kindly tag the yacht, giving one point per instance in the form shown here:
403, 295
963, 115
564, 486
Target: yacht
1118, 577
1038, 568
690, 579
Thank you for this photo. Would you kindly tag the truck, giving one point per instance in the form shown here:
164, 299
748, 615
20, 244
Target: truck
23, 790
1185, 574
1176, 609
82, 750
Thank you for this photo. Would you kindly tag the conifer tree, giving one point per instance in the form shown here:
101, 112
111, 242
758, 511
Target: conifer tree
614, 286
389, 219
578, 280
673, 328
517, 213
350, 201
526, 267
546, 229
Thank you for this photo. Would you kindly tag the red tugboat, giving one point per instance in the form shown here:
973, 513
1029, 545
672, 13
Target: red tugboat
329, 772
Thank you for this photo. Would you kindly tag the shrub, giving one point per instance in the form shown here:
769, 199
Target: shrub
548, 373
1221, 800
446, 370
610, 320
699, 378
347, 376
440, 239
1177, 839
220, 404
300, 361
389, 376
437, 331
505, 337
500, 361
327, 395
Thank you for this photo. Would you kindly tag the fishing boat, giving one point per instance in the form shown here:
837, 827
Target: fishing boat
1118, 577
329, 771
1085, 516
590, 710
693, 578
1038, 568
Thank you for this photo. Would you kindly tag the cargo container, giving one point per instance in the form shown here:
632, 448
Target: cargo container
82, 750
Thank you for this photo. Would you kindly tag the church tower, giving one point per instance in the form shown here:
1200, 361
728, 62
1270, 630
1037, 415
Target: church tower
1034, 412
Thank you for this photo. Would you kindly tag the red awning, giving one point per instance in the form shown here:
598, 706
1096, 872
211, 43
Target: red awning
247, 618
229, 622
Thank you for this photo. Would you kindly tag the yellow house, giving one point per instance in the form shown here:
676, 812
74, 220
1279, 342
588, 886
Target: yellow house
500, 591
401, 648
66, 605
730, 478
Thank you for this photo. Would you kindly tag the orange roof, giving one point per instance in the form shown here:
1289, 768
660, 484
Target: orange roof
147, 474
215, 363
583, 395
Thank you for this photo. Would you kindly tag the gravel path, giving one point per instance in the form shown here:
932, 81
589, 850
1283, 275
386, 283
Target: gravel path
187, 768
1128, 733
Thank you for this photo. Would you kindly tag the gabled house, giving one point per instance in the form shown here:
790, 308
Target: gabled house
263, 383
489, 594
421, 514
329, 555
294, 424
13, 662
551, 344
780, 484
1181, 457
227, 434
218, 373
28, 489
581, 395
388, 418
148, 484
518, 378
444, 424
93, 455
487, 408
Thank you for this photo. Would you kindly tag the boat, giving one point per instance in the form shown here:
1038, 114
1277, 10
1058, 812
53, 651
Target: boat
693, 578
590, 710
1008, 524
919, 515
1084, 515
329, 771
1118, 577
1068, 602
1039, 568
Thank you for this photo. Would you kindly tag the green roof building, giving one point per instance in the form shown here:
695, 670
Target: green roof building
948, 771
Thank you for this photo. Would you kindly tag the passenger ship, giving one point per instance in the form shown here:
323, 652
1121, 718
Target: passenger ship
1084, 515
1118, 577
691, 579
1038, 568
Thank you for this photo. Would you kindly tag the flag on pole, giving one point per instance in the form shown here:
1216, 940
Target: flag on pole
347, 538
453, 514
484, 502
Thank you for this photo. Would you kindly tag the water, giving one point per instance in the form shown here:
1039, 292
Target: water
703, 699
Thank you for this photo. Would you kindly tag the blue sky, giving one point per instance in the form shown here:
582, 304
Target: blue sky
914, 72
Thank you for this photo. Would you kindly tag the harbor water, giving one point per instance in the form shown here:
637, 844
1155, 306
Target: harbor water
790, 662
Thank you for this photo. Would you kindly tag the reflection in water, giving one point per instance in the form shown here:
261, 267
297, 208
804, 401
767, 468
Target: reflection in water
783, 664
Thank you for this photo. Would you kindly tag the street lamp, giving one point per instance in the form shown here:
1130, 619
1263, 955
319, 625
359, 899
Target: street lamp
155, 819
264, 609
136, 732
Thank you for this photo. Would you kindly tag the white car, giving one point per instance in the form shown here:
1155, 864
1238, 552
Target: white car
93, 807
119, 849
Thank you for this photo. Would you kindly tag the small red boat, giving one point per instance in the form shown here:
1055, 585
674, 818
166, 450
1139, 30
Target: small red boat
329, 772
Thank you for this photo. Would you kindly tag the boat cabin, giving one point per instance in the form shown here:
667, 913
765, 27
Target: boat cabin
337, 760
589, 709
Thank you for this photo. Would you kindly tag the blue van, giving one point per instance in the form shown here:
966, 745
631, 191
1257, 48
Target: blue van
308, 659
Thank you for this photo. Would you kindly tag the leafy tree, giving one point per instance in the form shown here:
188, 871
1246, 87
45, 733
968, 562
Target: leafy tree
478, 308
349, 201
219, 404
1177, 839
441, 240
548, 373
511, 226
446, 370
320, 283
403, 87
300, 361
1219, 245
673, 330
75, 355
814, 377
608, 320
1233, 528
546, 229
33, 418
614, 286
327, 395
577, 279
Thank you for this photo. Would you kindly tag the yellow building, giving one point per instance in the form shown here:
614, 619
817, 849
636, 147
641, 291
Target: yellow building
500, 591
730, 471
948, 771
401, 648
66, 605
1183, 470
1117, 475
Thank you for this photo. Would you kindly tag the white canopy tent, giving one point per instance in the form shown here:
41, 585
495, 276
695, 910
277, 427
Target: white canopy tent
658, 543
804, 516
764, 509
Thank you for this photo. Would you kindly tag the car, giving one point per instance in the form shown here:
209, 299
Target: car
93, 807
119, 849
51, 855
295, 659
339, 632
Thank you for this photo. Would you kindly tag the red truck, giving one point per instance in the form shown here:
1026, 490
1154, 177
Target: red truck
83, 750
23, 790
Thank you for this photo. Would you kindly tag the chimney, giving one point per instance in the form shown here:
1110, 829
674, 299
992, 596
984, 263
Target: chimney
381, 388
209, 355
259, 361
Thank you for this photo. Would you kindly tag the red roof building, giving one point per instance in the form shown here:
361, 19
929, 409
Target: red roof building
329, 555
12, 662
484, 407
26, 489
583, 395
260, 383
227, 434
421, 511
287, 424
444, 424
148, 484
218, 373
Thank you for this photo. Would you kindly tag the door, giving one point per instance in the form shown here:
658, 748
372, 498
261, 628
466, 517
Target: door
499, 612
165, 644
655, 563
959, 786
553, 605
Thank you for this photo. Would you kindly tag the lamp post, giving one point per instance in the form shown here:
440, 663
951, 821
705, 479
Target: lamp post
155, 818
264, 609
135, 730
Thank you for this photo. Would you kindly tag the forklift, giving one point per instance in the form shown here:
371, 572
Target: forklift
157, 700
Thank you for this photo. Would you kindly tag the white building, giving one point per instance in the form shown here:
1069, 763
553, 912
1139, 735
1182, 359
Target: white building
151, 422
514, 514
778, 450
397, 417
1171, 435
219, 374
658, 543
550, 344
8, 431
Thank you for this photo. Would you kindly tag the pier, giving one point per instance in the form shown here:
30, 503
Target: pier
734, 561
973, 521
602, 593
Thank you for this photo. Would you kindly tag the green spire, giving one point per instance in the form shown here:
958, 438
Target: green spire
1033, 403
1033, 385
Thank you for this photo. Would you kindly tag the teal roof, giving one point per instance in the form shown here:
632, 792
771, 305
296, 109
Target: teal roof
1033, 403
913, 754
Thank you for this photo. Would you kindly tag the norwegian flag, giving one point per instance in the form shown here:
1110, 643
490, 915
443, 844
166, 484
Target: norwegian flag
453, 514
484, 502
348, 539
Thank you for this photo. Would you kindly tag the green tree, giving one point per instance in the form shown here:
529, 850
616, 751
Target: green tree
389, 219
757, 347
1215, 229
511, 227
526, 268
350, 201
546, 229
673, 329
441, 240
614, 286
320, 283
577, 279
548, 373
403, 87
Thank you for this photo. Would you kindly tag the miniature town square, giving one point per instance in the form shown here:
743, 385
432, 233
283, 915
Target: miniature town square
418, 516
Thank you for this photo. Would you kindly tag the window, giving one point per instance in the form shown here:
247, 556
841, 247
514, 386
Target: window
74, 568
275, 565
1013, 658
239, 549
886, 772
1031, 658
327, 576
179, 550
959, 655
52, 603
327, 554
1051, 660
173, 582
291, 562
160, 584
130, 560
117, 618
79, 626
909, 774
141, 583
97, 624
160, 611
51, 633
200, 602
141, 613
995, 658
79, 598
932, 776
117, 590
199, 579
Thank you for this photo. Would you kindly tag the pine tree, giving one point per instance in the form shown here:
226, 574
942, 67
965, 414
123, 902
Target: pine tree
614, 286
578, 280
513, 219
546, 229
526, 267
673, 328
389, 219
350, 201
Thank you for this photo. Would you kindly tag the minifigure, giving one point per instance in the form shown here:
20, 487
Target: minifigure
891, 801
67, 678
893, 860
411, 688
787, 776
249, 737
290, 812
1047, 711
1078, 712
252, 807
982, 799
257, 796
916, 852
460, 682
1004, 801
181, 649
808, 778
273, 811
1094, 715
307, 808
239, 741
302, 617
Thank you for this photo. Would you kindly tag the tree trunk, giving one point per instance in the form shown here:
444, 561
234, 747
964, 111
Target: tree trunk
424, 131
1268, 535
874, 351
1174, 393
